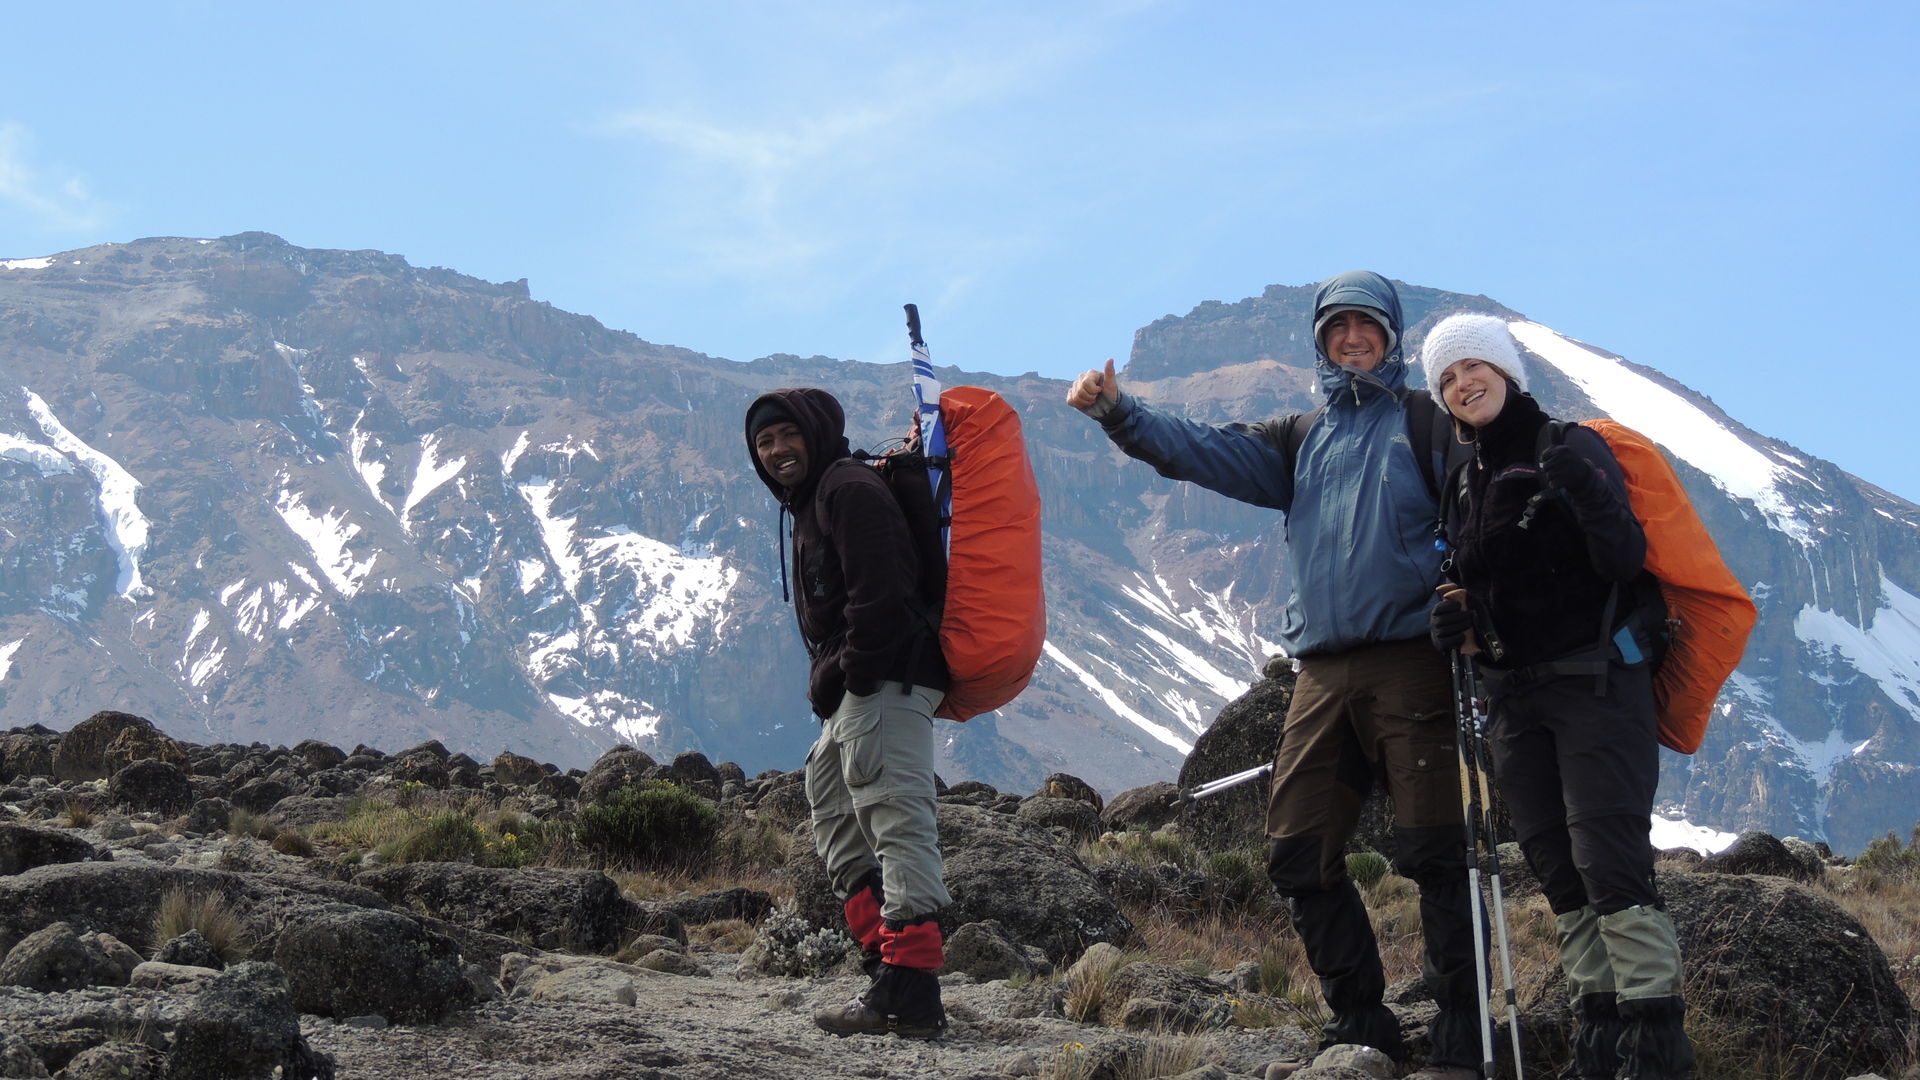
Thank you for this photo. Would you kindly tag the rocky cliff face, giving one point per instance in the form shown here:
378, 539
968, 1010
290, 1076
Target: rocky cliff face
260, 493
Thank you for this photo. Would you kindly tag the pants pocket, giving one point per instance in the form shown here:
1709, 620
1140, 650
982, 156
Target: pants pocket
856, 728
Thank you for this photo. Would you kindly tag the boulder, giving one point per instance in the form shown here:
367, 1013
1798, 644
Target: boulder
1067, 786
151, 785
18, 1060
27, 752
551, 908
23, 847
60, 957
244, 1026
260, 794
117, 1060
691, 770
181, 978
1146, 807
82, 751
190, 949
982, 951
738, 902
1077, 819
317, 755
1762, 853
1792, 972
619, 767
1154, 997
208, 816
134, 744
351, 962
997, 867
511, 768
301, 811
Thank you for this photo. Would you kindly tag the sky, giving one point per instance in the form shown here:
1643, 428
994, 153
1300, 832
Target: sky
1724, 191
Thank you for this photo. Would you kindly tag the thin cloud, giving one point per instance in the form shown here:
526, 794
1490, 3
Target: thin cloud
61, 204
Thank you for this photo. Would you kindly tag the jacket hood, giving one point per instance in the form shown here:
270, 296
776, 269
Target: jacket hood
822, 423
1365, 289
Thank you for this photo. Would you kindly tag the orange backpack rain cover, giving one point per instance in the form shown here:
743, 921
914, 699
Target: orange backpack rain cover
995, 619
1711, 614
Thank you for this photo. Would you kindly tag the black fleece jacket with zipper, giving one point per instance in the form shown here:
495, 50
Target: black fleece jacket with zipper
855, 573
1543, 587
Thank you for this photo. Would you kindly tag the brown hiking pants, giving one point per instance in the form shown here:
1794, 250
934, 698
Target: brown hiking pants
1374, 713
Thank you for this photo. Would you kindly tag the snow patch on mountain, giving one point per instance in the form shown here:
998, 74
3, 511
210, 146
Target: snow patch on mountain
1671, 833
1888, 652
127, 527
26, 264
45, 458
6, 656
1099, 688
327, 535
361, 449
1678, 425
429, 476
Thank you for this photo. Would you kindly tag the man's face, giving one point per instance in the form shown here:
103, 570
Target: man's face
1355, 341
782, 451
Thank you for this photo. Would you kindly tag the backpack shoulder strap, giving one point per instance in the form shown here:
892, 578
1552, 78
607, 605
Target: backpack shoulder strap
1430, 430
1293, 434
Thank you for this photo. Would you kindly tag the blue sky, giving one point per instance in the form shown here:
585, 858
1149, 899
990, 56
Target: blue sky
1725, 191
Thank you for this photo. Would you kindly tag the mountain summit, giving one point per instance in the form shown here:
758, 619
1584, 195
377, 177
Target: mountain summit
260, 493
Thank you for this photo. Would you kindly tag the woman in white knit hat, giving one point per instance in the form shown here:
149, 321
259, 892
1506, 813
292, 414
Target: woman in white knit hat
1557, 602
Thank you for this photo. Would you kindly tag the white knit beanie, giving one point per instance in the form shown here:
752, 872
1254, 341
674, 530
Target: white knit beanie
1467, 336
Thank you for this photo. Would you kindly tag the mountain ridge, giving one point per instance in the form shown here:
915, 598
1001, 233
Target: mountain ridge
386, 503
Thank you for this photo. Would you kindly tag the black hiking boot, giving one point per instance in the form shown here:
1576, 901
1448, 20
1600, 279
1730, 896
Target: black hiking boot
902, 1001
1597, 1028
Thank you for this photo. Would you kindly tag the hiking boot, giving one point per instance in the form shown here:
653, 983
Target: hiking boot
902, 1001
1653, 1044
1595, 1041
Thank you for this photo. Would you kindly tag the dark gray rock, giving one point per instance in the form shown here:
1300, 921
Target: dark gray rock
60, 957
1146, 807
208, 816
512, 768
1067, 786
1761, 853
1154, 997
261, 794
550, 908
317, 755
350, 962
151, 785
244, 1026
619, 767
18, 1060
738, 902
1791, 972
107, 741
27, 752
983, 951
23, 847
1078, 819
117, 1060
190, 950
691, 769
300, 811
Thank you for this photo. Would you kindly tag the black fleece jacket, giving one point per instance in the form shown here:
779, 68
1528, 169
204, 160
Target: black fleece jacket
1544, 587
856, 575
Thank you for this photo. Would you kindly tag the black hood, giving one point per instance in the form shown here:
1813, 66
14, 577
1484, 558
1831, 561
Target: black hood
822, 423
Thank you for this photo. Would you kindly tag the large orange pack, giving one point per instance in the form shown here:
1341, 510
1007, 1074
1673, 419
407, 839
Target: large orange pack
994, 621
1709, 613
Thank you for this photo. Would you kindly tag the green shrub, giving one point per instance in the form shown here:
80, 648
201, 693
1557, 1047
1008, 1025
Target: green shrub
656, 824
448, 836
1367, 868
1885, 858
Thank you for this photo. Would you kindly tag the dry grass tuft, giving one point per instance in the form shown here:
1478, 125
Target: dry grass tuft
209, 913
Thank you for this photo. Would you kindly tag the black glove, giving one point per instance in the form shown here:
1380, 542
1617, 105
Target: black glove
1567, 470
1449, 624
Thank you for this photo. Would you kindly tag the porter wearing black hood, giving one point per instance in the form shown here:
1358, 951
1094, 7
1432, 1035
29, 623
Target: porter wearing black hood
877, 677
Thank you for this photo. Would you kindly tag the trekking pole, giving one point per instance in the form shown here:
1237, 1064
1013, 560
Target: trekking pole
1483, 764
1214, 787
1470, 811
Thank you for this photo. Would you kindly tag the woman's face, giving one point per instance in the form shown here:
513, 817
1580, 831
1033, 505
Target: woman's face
1474, 390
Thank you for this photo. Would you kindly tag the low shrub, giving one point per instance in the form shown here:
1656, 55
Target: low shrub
656, 824
448, 836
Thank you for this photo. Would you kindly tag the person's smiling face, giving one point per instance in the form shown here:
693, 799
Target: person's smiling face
782, 451
1474, 390
1353, 340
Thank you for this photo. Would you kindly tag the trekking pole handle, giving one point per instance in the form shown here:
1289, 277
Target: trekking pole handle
1214, 787
913, 326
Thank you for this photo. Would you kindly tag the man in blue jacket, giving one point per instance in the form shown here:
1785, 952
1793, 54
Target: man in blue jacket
1373, 698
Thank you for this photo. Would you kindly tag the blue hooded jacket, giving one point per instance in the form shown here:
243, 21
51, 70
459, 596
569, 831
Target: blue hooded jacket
1359, 516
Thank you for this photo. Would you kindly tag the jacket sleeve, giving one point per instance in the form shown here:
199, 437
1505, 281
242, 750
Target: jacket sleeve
1616, 544
869, 535
1240, 461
